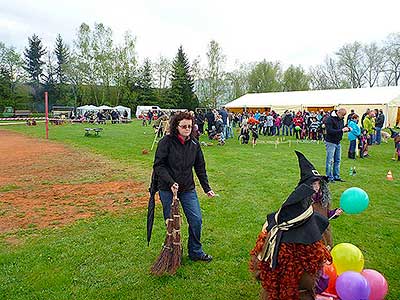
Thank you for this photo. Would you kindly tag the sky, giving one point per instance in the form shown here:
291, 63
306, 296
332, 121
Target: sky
288, 31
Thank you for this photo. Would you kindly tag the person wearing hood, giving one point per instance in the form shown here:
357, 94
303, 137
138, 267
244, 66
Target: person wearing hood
335, 128
289, 254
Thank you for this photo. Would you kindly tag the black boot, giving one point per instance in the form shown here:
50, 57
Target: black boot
349, 155
352, 155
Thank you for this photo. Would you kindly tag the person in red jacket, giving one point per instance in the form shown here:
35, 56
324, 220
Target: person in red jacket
298, 122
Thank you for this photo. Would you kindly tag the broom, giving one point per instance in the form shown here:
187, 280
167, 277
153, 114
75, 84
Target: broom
170, 257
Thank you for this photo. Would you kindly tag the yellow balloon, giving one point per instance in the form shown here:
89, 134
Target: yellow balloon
347, 257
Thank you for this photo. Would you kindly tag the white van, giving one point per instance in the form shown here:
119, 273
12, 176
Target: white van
145, 109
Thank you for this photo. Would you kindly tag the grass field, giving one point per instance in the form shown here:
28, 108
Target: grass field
106, 257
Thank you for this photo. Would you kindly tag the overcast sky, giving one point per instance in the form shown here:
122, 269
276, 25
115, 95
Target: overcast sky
292, 32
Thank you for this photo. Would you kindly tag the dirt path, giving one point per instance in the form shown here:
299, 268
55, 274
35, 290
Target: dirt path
45, 184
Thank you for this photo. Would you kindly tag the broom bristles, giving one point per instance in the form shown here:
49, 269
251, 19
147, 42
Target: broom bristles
170, 257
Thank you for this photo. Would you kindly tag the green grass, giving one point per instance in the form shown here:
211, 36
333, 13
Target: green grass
107, 257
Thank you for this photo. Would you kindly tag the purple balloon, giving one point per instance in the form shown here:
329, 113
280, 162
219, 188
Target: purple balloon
351, 285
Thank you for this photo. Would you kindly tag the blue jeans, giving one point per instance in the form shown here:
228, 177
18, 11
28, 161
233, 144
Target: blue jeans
378, 137
333, 153
191, 207
285, 130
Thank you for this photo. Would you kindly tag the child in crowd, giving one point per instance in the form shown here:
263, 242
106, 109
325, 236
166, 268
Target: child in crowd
363, 143
353, 135
254, 135
244, 134
396, 138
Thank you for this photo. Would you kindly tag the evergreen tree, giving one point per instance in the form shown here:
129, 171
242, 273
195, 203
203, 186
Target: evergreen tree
33, 63
49, 82
62, 54
181, 92
144, 86
62, 61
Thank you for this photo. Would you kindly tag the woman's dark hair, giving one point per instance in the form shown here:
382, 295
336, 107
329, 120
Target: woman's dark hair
174, 122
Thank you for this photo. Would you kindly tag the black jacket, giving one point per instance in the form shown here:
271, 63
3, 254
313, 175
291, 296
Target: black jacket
174, 162
380, 119
334, 126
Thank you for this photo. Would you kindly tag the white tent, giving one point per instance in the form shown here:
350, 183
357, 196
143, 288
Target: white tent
385, 98
105, 107
121, 109
81, 110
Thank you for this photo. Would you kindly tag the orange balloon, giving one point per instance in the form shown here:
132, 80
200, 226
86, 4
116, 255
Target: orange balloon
330, 271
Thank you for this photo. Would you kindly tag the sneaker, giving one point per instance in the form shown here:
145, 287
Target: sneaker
204, 257
339, 179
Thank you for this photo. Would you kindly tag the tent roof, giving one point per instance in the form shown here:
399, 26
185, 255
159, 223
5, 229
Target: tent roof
105, 107
121, 107
378, 95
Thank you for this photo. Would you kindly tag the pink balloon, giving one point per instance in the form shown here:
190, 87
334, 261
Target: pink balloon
377, 283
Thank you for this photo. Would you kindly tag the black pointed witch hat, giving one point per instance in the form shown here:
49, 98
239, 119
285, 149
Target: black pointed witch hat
308, 173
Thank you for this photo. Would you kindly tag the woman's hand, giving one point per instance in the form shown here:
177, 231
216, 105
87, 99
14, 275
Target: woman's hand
174, 187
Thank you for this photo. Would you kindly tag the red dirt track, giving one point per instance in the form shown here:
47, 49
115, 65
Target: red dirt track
44, 184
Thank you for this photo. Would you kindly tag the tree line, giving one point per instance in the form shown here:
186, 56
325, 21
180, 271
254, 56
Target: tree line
96, 70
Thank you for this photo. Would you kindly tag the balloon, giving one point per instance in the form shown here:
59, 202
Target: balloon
354, 200
330, 271
352, 286
377, 283
347, 257
297, 128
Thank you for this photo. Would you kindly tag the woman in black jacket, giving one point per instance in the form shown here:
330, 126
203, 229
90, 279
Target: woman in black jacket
177, 154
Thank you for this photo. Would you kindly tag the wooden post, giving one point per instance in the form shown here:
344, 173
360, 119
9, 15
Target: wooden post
46, 105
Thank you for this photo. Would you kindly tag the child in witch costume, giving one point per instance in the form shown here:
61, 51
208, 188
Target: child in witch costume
289, 254
396, 138
321, 199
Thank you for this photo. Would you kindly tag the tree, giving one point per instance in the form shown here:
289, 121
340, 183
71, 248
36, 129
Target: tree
181, 92
265, 77
352, 63
12, 75
146, 95
162, 72
237, 80
328, 76
34, 64
62, 54
295, 79
125, 64
374, 60
49, 81
392, 59
215, 73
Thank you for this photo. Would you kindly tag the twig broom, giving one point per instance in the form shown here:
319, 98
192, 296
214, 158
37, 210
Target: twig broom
170, 257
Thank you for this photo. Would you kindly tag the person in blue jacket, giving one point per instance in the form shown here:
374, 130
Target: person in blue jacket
353, 135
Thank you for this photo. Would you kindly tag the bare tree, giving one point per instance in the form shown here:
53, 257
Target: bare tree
162, 72
352, 63
215, 72
374, 63
392, 62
